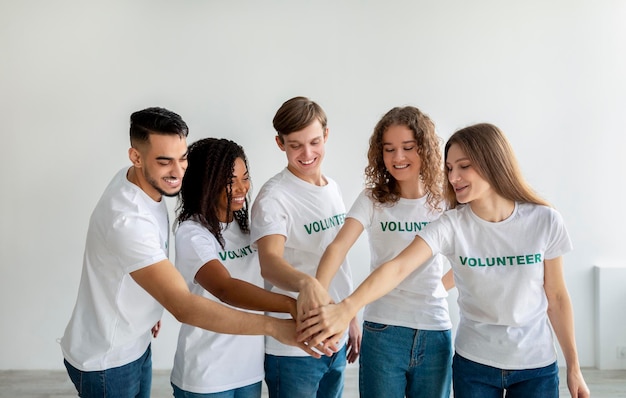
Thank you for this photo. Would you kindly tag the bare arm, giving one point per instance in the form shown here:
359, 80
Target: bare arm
330, 321
163, 282
216, 279
561, 317
275, 269
313, 295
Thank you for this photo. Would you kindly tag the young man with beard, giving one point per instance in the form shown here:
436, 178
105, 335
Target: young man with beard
127, 278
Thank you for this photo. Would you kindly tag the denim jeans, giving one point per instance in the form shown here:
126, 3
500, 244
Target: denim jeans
250, 391
474, 380
305, 377
128, 381
397, 361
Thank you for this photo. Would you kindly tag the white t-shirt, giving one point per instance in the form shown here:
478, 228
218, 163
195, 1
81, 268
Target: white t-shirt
419, 302
113, 315
309, 216
499, 270
208, 362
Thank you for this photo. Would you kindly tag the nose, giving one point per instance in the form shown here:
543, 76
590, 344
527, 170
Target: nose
179, 168
453, 176
238, 187
307, 150
399, 154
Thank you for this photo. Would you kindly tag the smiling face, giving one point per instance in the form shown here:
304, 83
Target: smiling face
160, 164
400, 154
467, 184
237, 190
305, 151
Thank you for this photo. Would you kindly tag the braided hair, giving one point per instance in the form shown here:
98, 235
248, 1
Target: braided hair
211, 163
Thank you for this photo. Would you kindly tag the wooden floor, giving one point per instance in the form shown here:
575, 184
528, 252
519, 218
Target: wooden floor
55, 384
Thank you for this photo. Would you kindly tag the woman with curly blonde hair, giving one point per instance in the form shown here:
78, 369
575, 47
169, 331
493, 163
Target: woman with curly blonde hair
406, 348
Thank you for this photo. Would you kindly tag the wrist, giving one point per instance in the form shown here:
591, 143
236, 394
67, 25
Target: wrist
306, 282
349, 306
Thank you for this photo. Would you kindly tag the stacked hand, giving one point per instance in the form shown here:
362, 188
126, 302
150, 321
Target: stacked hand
322, 323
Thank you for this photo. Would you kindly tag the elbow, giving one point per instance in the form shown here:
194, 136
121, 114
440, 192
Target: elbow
182, 315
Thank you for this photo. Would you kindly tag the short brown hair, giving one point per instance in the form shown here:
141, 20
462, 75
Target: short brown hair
296, 114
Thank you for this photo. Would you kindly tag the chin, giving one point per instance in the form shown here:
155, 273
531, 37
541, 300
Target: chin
170, 194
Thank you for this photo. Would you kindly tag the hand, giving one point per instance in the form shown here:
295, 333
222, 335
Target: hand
576, 384
324, 325
285, 332
312, 295
156, 329
354, 340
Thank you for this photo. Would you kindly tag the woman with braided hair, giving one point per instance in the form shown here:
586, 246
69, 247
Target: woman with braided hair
214, 254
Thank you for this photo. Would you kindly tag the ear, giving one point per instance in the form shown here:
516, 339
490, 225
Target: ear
280, 143
326, 131
135, 157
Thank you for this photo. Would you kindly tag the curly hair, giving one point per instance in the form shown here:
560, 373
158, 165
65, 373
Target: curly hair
211, 163
384, 187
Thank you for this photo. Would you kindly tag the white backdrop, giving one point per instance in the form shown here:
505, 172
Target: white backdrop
550, 74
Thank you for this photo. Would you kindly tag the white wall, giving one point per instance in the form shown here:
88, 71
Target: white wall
550, 74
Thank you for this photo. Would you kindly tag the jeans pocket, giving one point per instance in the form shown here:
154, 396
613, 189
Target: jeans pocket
375, 327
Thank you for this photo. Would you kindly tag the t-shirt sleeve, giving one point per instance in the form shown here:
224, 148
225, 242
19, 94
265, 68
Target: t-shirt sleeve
439, 235
135, 239
267, 217
362, 210
195, 246
559, 241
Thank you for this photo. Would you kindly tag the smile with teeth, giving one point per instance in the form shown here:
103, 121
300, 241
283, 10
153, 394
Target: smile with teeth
307, 162
239, 199
400, 166
171, 180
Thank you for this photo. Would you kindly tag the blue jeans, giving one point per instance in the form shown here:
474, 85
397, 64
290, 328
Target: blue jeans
250, 391
474, 380
305, 377
128, 381
397, 361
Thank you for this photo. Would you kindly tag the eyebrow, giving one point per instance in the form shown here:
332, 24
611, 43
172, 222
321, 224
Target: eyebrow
403, 142
458, 160
288, 141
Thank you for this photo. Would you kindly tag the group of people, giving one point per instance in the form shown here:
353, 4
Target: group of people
278, 268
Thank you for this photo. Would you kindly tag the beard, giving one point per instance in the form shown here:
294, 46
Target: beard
154, 183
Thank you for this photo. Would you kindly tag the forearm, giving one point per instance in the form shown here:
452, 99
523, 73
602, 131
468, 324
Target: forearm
210, 315
242, 294
561, 315
329, 264
281, 274
388, 275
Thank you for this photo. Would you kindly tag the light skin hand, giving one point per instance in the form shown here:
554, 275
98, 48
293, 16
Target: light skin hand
286, 334
156, 329
326, 322
576, 384
325, 325
312, 295
354, 341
